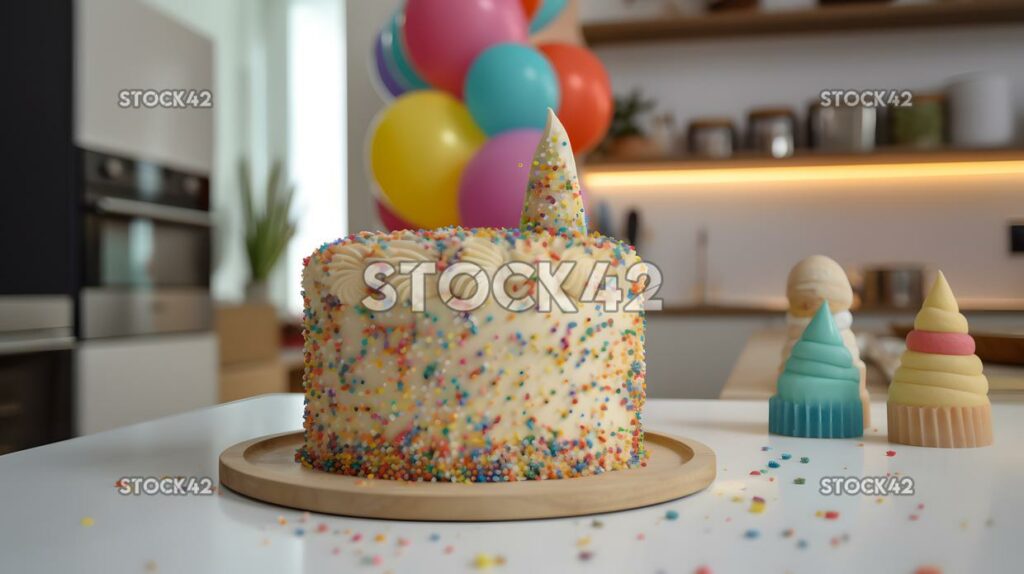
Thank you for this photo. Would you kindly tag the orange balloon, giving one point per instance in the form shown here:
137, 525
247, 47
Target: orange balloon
530, 7
587, 105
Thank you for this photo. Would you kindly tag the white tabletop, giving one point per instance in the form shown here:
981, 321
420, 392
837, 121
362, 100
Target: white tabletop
59, 509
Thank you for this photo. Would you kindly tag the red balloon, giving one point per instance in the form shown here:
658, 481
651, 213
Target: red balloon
391, 221
530, 7
587, 105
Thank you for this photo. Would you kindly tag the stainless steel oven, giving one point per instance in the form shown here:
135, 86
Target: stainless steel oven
146, 249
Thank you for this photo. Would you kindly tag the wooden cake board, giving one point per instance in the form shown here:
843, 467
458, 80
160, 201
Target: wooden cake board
265, 469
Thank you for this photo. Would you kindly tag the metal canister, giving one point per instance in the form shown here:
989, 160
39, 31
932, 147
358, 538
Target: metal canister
841, 128
772, 131
713, 138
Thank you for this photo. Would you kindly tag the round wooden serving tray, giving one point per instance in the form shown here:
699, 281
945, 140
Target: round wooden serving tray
265, 469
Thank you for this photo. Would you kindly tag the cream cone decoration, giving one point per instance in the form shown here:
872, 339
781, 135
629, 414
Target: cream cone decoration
553, 199
812, 281
939, 395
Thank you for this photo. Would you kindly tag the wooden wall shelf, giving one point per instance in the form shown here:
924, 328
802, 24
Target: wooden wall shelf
825, 19
895, 156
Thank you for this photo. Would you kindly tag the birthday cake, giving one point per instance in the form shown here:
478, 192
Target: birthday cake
939, 394
448, 385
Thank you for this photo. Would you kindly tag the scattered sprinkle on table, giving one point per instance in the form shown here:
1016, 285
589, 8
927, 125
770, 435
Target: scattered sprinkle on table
827, 514
788, 533
321, 528
434, 537
583, 542
773, 464
751, 533
755, 473
151, 566
786, 456
380, 538
805, 459
757, 505
300, 531
702, 570
282, 520
765, 448
928, 570
87, 521
799, 480
597, 524
486, 561
890, 453
671, 515
586, 555
801, 544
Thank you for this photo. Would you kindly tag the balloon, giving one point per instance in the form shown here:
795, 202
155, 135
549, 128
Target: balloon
530, 7
418, 149
494, 182
386, 84
445, 36
399, 55
391, 221
549, 10
511, 86
587, 104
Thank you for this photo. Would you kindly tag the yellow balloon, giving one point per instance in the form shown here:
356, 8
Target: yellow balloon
419, 148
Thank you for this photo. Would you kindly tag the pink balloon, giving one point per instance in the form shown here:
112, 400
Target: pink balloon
391, 221
493, 184
445, 36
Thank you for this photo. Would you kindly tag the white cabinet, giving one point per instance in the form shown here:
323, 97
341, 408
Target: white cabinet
125, 381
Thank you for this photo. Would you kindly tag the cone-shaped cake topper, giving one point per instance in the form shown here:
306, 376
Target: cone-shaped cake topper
940, 312
553, 199
818, 390
939, 394
822, 328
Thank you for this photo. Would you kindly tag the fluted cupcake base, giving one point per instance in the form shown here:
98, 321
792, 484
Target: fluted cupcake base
940, 427
815, 420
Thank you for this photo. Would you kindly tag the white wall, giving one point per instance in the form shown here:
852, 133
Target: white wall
362, 22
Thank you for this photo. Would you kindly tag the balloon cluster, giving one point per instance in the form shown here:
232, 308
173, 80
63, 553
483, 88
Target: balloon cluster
472, 92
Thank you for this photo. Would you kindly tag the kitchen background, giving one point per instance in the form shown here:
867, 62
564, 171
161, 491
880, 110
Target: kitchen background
144, 304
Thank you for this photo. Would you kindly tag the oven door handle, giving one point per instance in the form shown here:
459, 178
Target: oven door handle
154, 211
25, 346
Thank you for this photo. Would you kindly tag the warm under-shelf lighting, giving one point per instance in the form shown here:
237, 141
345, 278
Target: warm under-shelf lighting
669, 178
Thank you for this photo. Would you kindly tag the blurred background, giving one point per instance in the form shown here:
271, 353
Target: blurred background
171, 162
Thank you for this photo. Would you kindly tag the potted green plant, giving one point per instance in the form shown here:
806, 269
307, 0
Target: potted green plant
268, 228
626, 138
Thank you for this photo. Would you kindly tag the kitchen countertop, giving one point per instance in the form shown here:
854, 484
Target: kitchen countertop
61, 511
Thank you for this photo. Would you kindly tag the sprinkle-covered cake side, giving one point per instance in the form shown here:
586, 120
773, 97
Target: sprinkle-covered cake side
486, 395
